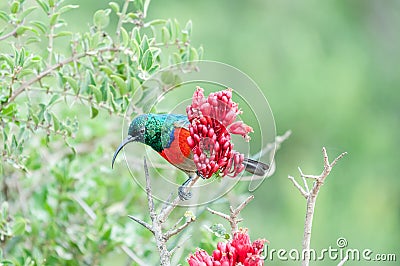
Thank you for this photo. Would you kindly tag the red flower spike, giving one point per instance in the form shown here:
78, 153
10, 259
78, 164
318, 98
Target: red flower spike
212, 121
239, 251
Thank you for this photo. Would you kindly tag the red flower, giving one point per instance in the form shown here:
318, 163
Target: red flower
212, 121
240, 251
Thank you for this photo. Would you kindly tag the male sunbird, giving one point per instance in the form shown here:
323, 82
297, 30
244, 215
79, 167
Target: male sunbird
167, 134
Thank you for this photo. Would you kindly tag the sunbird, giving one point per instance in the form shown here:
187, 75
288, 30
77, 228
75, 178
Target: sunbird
167, 134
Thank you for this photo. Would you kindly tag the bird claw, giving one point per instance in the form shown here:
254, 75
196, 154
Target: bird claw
183, 195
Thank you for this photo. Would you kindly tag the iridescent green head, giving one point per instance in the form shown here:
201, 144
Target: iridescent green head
136, 132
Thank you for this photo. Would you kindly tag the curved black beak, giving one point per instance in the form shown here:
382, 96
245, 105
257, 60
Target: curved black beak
124, 142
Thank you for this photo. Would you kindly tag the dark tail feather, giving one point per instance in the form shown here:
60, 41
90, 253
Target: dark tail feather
255, 167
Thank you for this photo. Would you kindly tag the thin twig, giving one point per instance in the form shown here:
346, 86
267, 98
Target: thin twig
177, 230
11, 33
311, 197
141, 222
150, 201
299, 187
232, 218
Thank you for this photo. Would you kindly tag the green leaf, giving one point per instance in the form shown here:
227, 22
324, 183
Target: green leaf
14, 143
93, 112
155, 22
56, 123
22, 29
36, 59
114, 6
53, 100
97, 93
43, 5
177, 28
165, 35
28, 11
125, 37
147, 60
62, 34
67, 8
120, 83
145, 7
7, 58
73, 83
106, 70
132, 84
51, 3
168, 25
9, 111
132, 15
39, 25
32, 39
188, 28
19, 226
101, 18
200, 52
35, 119
54, 18
193, 55
136, 35
177, 58
144, 45
14, 8
4, 16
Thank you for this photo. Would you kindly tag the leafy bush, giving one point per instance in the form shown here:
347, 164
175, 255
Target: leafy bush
62, 94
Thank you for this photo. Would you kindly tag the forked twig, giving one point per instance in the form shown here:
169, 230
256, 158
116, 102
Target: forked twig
311, 197
232, 218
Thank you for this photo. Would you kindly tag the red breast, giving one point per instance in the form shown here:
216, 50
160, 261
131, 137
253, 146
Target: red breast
179, 153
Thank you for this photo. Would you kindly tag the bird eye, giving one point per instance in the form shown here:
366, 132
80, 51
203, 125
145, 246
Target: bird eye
142, 130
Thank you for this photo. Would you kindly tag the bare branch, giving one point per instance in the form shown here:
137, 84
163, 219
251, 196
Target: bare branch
150, 201
7, 35
220, 214
311, 197
338, 158
233, 217
177, 230
300, 188
146, 225
242, 205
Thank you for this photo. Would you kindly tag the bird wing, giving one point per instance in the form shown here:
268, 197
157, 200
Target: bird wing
181, 122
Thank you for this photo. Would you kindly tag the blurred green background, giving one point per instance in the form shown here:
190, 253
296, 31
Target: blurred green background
331, 73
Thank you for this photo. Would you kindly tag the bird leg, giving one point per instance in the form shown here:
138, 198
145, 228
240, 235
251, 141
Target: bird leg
182, 193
